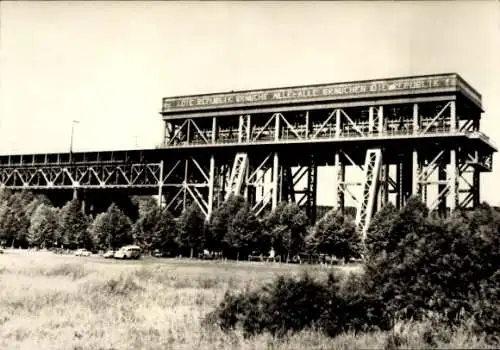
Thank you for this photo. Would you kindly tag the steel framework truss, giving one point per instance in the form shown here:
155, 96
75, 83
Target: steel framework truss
430, 147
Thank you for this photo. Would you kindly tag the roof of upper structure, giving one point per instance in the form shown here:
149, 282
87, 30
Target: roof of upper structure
377, 88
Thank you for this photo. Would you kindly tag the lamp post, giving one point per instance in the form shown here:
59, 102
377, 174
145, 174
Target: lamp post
72, 132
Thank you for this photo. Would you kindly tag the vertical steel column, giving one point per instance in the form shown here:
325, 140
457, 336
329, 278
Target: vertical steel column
453, 116
275, 165
222, 182
312, 179
415, 189
165, 134
383, 196
371, 122
453, 178
453, 162
275, 181
160, 186
384, 170
475, 188
214, 130
185, 184
380, 114
338, 123
423, 185
399, 183
240, 129
442, 187
249, 127
416, 119
339, 183
188, 135
211, 185
307, 125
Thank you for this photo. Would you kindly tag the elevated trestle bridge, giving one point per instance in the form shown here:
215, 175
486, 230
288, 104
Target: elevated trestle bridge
384, 140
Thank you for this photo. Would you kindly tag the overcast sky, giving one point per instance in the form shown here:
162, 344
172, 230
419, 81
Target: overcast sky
109, 64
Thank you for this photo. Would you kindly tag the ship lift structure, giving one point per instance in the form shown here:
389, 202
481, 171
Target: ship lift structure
383, 140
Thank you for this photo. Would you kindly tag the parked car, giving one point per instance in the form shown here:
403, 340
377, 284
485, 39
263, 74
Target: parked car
109, 254
128, 252
1, 251
82, 252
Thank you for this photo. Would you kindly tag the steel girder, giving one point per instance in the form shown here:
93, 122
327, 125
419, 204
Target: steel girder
81, 176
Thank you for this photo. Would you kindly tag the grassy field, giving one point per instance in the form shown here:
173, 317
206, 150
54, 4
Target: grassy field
50, 301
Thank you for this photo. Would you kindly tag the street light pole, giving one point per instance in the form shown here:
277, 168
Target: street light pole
72, 131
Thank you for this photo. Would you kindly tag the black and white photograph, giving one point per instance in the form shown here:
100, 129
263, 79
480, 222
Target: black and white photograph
249, 175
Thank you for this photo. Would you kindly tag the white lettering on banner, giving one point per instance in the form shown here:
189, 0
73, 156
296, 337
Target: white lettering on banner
303, 94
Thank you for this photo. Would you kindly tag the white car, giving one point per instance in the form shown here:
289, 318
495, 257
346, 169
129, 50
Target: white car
128, 252
82, 252
109, 254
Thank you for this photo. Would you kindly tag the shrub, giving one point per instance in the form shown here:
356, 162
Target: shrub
425, 269
443, 267
282, 306
289, 305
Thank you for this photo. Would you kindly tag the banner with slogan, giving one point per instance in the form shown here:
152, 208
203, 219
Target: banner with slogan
398, 86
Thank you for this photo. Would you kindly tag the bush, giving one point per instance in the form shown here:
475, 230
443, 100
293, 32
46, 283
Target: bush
440, 267
284, 305
422, 269
289, 305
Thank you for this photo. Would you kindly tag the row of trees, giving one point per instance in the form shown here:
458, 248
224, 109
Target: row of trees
417, 267
31, 221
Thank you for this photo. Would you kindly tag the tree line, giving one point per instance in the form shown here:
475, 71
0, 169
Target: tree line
28, 220
417, 266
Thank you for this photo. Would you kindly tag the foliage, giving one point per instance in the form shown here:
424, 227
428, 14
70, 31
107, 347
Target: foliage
424, 268
73, 226
439, 267
245, 233
14, 222
44, 226
288, 305
155, 229
191, 226
284, 305
143, 228
220, 221
164, 234
111, 229
287, 227
335, 234
381, 233
35, 203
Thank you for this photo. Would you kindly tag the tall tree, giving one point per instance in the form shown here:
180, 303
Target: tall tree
287, 225
379, 235
35, 202
245, 233
14, 222
335, 234
44, 226
73, 226
164, 234
191, 226
220, 221
155, 229
143, 228
112, 229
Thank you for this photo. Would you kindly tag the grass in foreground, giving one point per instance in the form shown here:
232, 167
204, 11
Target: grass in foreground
65, 302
